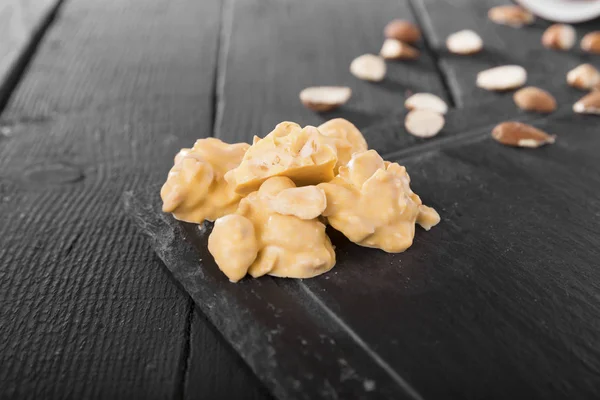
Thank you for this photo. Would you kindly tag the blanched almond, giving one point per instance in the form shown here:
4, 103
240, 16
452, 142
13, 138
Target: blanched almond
426, 101
325, 98
510, 15
535, 99
559, 37
464, 42
404, 31
502, 78
521, 135
591, 42
584, 77
306, 202
393, 49
588, 104
424, 123
368, 67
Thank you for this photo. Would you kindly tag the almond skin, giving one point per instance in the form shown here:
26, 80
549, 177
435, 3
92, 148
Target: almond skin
535, 99
403, 31
518, 134
559, 37
393, 49
588, 104
591, 42
584, 77
511, 15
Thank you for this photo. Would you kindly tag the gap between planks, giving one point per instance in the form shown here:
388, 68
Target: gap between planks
21, 64
424, 23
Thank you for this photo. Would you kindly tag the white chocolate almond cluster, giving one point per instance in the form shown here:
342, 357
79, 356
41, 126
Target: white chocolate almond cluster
270, 200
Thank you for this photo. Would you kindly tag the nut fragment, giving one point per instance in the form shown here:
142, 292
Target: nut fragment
588, 104
368, 67
584, 77
521, 135
306, 202
325, 98
559, 37
502, 78
510, 15
426, 101
346, 138
591, 42
404, 31
535, 99
393, 49
464, 42
423, 123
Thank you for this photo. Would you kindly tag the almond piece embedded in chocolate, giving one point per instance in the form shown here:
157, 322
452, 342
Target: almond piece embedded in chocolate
518, 134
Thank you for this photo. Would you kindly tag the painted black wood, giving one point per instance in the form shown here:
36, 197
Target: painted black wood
497, 301
85, 309
502, 45
273, 49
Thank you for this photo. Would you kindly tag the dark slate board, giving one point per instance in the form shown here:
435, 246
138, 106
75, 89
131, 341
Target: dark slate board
500, 300
502, 45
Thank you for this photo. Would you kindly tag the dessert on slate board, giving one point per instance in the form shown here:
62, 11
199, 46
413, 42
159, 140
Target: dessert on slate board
271, 200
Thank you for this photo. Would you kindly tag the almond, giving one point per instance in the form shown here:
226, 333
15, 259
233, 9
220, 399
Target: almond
325, 98
591, 42
403, 31
512, 15
423, 123
393, 49
559, 37
502, 78
584, 77
368, 67
464, 42
588, 104
426, 101
521, 135
535, 99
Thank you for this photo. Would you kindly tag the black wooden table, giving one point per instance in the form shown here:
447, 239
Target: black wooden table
96, 97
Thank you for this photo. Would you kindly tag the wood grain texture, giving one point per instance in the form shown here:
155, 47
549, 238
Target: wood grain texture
20, 23
115, 89
497, 301
502, 45
273, 49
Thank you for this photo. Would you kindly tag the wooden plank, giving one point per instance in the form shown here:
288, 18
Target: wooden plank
276, 48
116, 88
502, 45
217, 372
498, 299
22, 23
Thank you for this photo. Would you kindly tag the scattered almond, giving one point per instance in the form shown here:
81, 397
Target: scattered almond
559, 37
591, 42
502, 78
584, 77
464, 42
510, 15
403, 31
588, 104
325, 98
368, 67
423, 123
393, 49
521, 135
535, 99
426, 101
